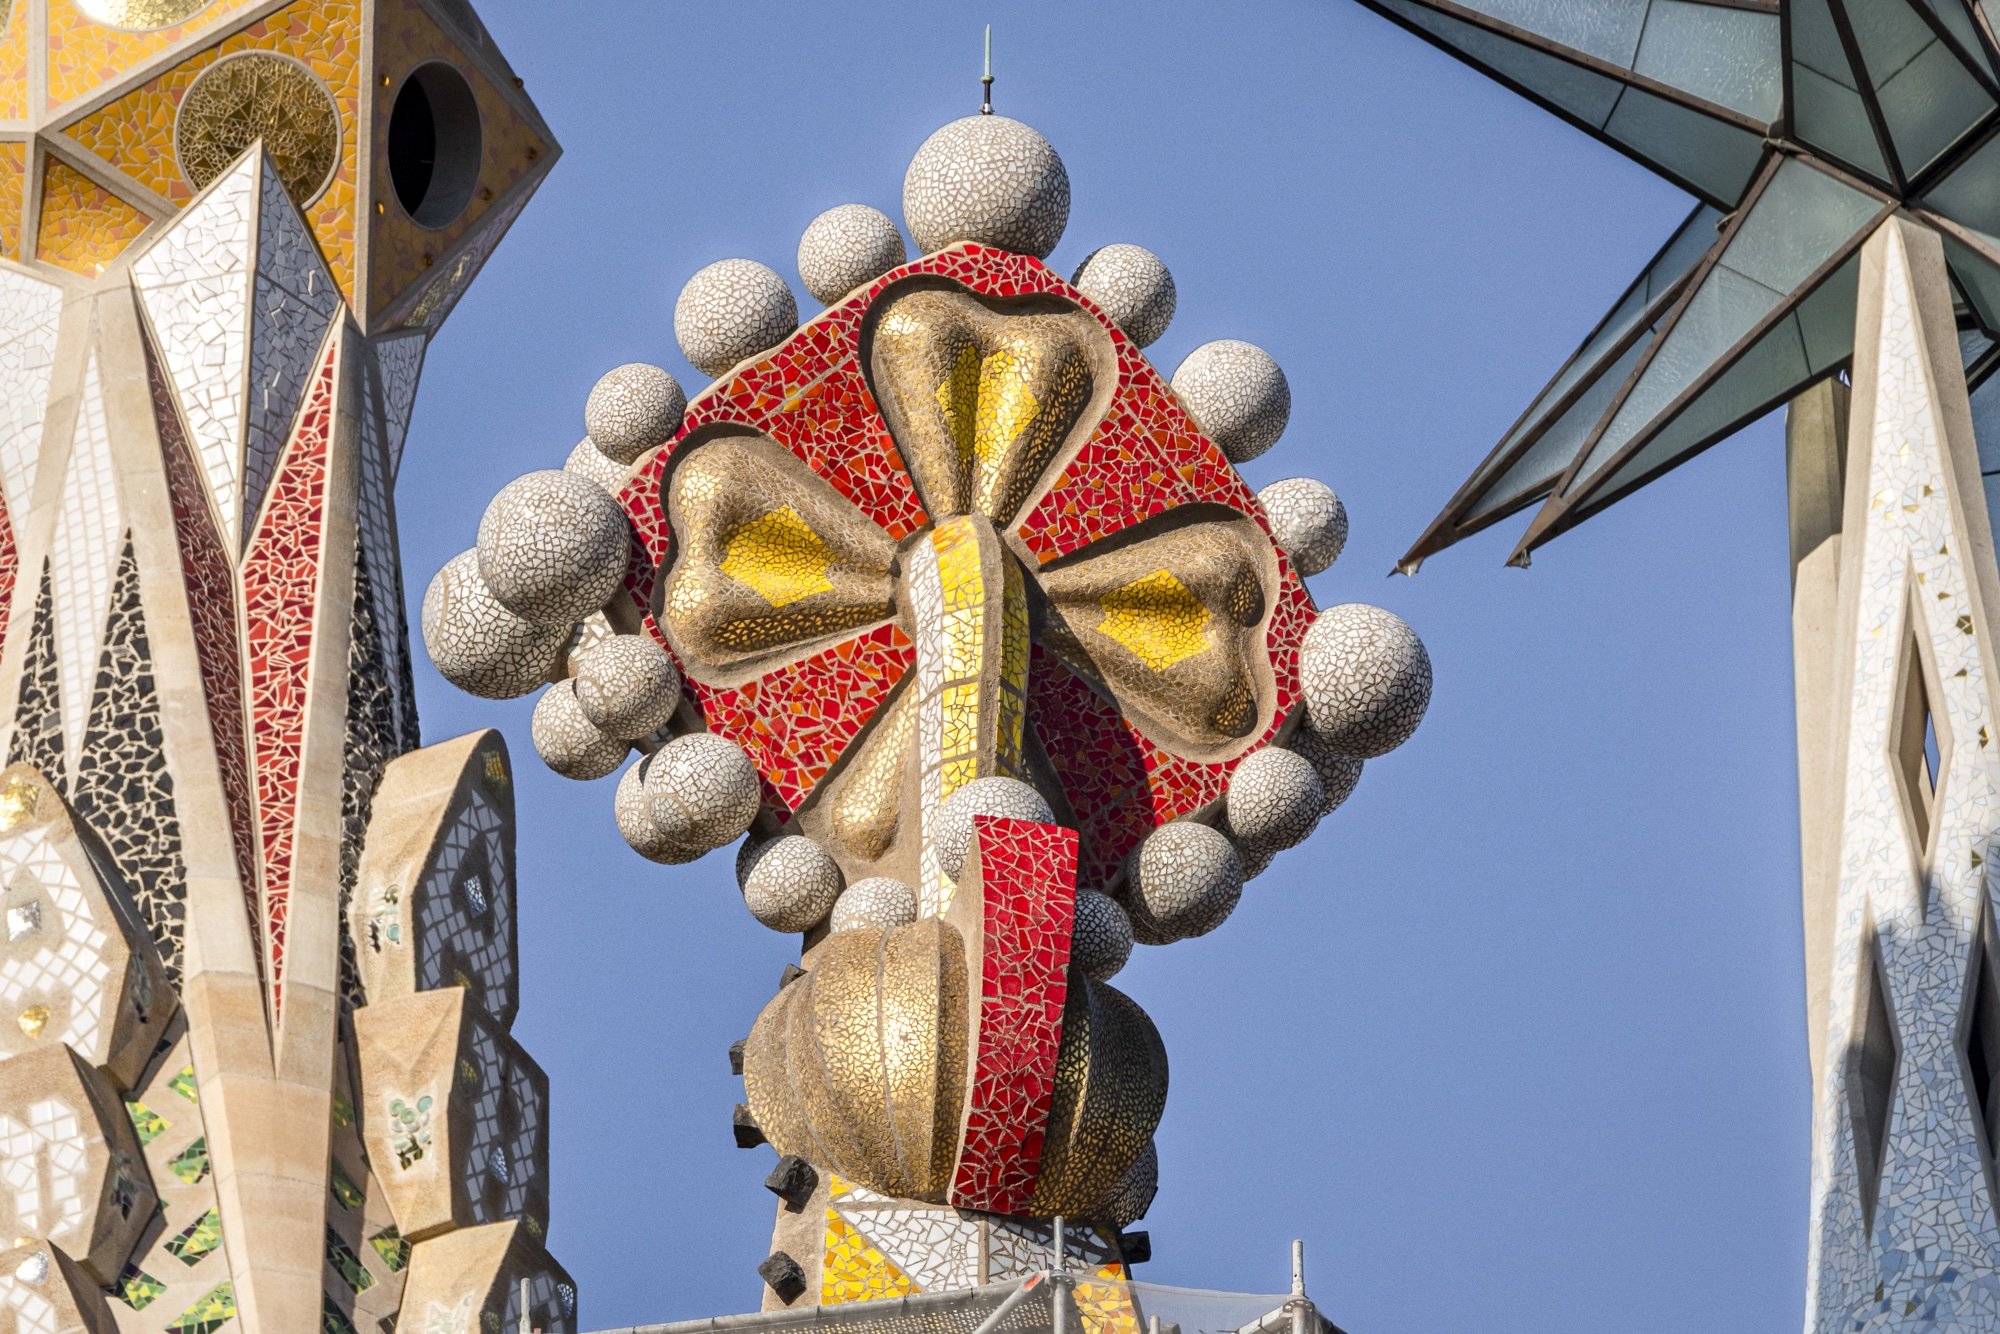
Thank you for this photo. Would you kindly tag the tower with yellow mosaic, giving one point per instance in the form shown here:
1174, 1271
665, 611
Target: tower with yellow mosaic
258, 965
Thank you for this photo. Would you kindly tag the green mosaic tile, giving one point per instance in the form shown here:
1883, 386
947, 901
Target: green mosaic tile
343, 1111
333, 1320
149, 1123
209, 1314
183, 1084
344, 1188
347, 1264
195, 1241
389, 1244
191, 1163
137, 1288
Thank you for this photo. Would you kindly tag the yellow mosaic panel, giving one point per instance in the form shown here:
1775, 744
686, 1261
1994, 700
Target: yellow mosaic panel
84, 226
1157, 618
511, 146
987, 404
86, 53
135, 134
1106, 1308
13, 195
13, 60
779, 558
852, 1270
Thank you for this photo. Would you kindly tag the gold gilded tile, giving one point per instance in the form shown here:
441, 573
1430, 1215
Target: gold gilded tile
84, 226
1157, 618
259, 95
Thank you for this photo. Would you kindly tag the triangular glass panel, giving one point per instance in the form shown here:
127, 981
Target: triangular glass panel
1828, 109
1928, 97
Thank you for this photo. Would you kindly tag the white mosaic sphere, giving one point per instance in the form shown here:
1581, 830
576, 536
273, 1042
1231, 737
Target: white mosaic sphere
1366, 679
987, 179
553, 546
1256, 861
1273, 800
586, 460
1134, 1193
845, 247
1102, 939
731, 311
1236, 395
633, 408
703, 791
1009, 797
1308, 521
567, 741
1183, 881
1132, 286
633, 810
1338, 771
627, 685
877, 903
789, 883
478, 645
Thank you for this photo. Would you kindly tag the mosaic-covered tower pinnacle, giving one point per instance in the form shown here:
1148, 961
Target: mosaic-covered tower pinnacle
967, 625
259, 962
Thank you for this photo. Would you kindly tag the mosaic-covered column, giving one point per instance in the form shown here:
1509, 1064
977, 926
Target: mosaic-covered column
1904, 1230
227, 232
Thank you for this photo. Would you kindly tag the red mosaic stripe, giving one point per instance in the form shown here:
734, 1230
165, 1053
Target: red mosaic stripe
1027, 888
211, 600
281, 578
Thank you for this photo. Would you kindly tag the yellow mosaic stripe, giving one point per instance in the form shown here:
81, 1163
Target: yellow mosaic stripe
852, 1270
14, 61
13, 196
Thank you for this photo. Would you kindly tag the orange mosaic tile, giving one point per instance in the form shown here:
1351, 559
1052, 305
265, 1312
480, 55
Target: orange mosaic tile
135, 134
399, 251
84, 54
84, 226
13, 195
852, 1270
14, 63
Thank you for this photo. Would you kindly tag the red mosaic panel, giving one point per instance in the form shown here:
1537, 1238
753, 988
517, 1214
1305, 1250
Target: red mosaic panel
795, 722
281, 575
1027, 888
1146, 456
211, 600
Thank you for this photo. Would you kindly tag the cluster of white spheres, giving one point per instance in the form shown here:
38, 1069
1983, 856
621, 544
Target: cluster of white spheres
553, 547
1236, 394
1101, 938
1366, 678
693, 795
789, 883
1308, 522
479, 645
1008, 798
1132, 287
631, 409
568, 741
1183, 881
846, 247
627, 685
990, 180
879, 903
1273, 800
731, 311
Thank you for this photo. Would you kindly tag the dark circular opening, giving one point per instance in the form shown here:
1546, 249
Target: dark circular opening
434, 145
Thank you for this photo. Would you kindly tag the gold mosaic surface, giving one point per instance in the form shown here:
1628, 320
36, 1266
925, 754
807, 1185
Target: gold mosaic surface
84, 226
778, 557
400, 252
257, 95
135, 133
1111, 1087
13, 195
981, 402
1157, 619
869, 800
13, 61
85, 53
141, 15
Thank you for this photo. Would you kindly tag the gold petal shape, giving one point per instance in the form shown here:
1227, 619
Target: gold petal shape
1111, 1087
770, 562
984, 394
859, 1065
1169, 617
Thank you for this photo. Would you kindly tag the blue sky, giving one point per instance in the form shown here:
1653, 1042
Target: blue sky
1517, 1041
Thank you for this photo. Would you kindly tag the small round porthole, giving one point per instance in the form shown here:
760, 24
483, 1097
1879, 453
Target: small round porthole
434, 145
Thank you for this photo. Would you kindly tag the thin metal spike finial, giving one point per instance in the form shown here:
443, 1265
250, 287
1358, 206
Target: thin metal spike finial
986, 79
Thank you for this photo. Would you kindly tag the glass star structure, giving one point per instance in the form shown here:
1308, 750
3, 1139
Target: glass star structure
1799, 126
